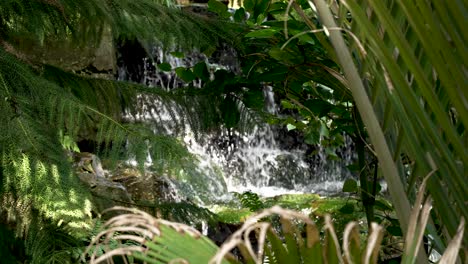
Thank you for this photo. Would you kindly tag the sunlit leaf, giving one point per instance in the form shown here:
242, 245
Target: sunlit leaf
290, 127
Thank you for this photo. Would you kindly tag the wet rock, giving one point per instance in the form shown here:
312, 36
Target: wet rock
105, 192
146, 187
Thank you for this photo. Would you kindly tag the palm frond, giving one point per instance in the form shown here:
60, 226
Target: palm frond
417, 97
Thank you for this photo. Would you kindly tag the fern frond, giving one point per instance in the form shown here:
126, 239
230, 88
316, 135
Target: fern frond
34, 165
81, 23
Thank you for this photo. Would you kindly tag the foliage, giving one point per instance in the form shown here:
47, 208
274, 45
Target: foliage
34, 164
383, 77
344, 67
46, 109
250, 200
82, 23
145, 228
182, 212
50, 244
402, 88
297, 241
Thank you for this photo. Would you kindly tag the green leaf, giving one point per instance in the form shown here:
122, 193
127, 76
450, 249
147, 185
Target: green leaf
352, 248
185, 74
277, 7
350, 185
276, 247
331, 247
256, 7
324, 132
278, 73
165, 66
354, 167
286, 56
240, 15
382, 206
254, 99
331, 154
260, 18
319, 107
290, 234
287, 105
394, 231
312, 137
219, 8
347, 209
201, 71
262, 33
249, 5
290, 127
177, 54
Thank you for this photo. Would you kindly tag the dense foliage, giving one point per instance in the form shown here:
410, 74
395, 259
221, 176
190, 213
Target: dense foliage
392, 81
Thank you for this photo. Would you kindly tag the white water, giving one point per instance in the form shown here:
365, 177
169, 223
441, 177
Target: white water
253, 161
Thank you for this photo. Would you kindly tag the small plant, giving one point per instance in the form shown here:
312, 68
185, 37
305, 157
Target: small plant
250, 200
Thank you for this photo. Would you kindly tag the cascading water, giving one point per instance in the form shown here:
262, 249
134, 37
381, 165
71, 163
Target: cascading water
266, 160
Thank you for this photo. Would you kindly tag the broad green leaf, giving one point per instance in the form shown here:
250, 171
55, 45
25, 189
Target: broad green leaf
277, 249
260, 18
254, 99
331, 247
394, 230
256, 8
249, 5
312, 137
290, 234
240, 15
217, 7
331, 153
318, 106
287, 105
165, 66
185, 74
290, 127
347, 209
324, 131
201, 71
350, 185
354, 167
178, 54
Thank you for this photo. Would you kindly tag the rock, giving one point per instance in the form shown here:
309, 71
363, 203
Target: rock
106, 193
89, 59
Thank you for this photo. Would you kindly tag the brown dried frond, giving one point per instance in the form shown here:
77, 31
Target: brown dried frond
241, 237
135, 226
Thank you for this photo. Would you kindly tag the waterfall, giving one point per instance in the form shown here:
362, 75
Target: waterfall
267, 160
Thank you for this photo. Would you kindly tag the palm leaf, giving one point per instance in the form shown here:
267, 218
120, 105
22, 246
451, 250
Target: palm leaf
151, 240
419, 103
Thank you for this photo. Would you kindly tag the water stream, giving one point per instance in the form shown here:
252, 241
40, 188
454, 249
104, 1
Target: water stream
266, 160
